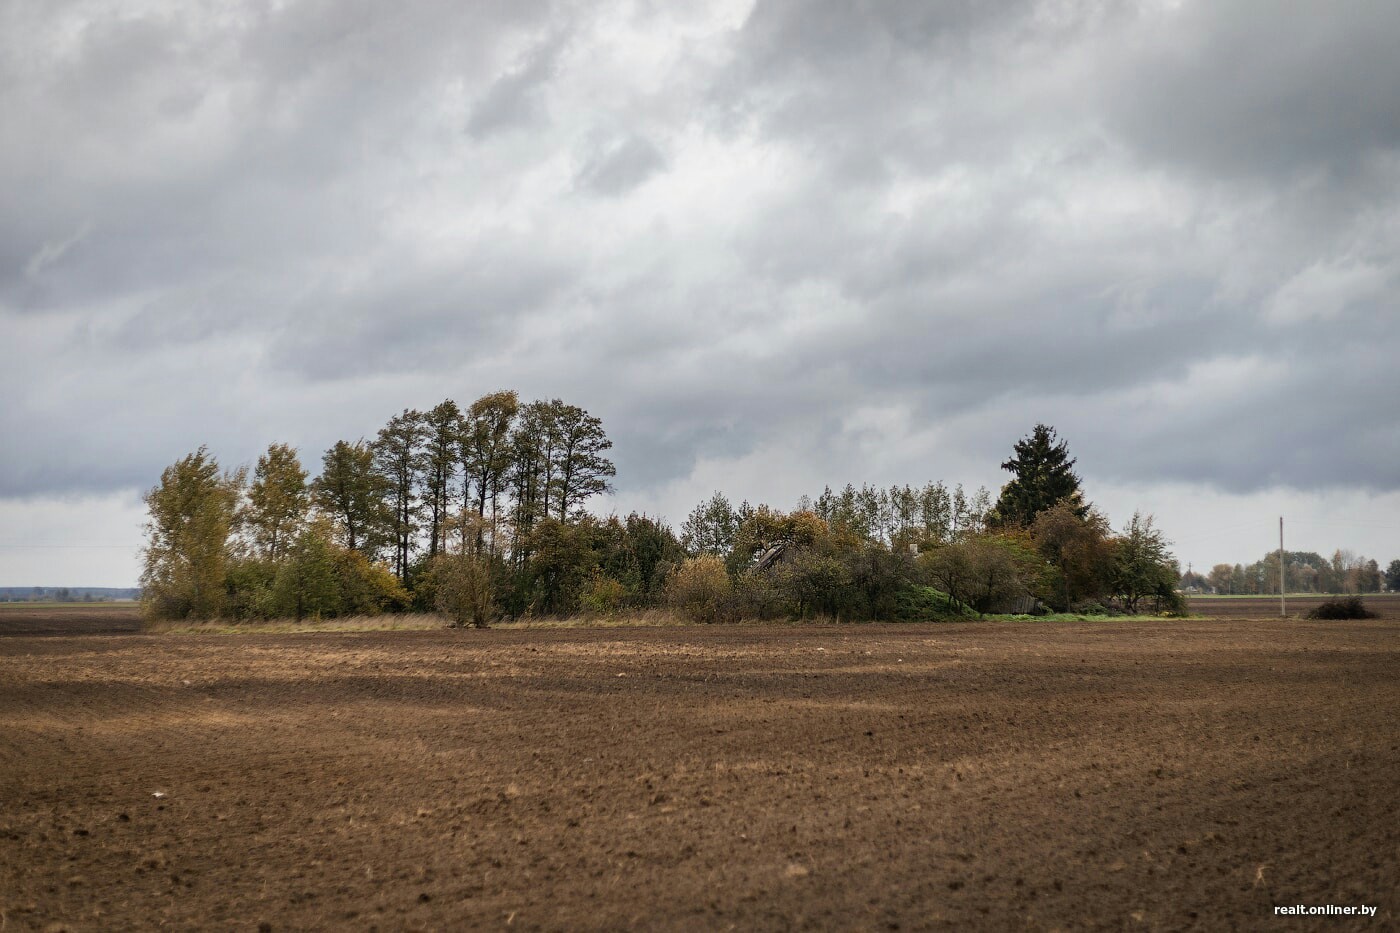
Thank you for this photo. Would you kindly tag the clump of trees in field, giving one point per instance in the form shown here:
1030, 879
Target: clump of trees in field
929, 552
471, 512
481, 513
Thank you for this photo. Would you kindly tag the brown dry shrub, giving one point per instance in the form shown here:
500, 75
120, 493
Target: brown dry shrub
463, 588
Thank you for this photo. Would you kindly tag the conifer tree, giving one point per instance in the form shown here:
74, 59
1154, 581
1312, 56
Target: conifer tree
1043, 476
710, 527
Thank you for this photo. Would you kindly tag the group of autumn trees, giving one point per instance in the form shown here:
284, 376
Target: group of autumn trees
919, 553
465, 502
480, 514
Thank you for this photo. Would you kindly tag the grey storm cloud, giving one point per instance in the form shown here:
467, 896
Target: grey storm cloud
513, 99
619, 167
868, 234
1255, 89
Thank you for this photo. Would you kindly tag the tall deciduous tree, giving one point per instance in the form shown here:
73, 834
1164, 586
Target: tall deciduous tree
984, 571
529, 473
278, 499
562, 558
1222, 579
1042, 476
442, 430
191, 516
1142, 565
935, 514
583, 469
396, 457
1369, 577
486, 454
1077, 548
352, 492
647, 551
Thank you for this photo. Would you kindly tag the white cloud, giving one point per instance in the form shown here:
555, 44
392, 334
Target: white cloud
1323, 291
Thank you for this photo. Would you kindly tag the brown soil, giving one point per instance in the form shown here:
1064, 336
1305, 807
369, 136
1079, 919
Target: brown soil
72, 619
1385, 605
975, 776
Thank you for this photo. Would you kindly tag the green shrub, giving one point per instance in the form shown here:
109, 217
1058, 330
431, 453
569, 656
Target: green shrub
926, 604
250, 588
603, 595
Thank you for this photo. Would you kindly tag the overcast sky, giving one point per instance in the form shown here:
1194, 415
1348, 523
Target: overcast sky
771, 245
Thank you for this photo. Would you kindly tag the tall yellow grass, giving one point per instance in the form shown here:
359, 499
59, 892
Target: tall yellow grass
379, 623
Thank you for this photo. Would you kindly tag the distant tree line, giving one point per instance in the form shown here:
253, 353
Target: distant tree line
65, 594
1304, 571
480, 513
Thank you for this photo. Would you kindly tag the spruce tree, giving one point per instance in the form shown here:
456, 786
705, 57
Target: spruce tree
1043, 476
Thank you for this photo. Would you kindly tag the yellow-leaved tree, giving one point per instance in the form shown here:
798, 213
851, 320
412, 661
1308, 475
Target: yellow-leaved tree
189, 527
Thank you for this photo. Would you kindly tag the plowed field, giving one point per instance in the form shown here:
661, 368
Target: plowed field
1154, 776
1385, 605
70, 619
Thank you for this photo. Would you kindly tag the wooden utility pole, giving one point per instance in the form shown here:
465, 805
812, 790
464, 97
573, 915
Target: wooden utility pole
1282, 575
